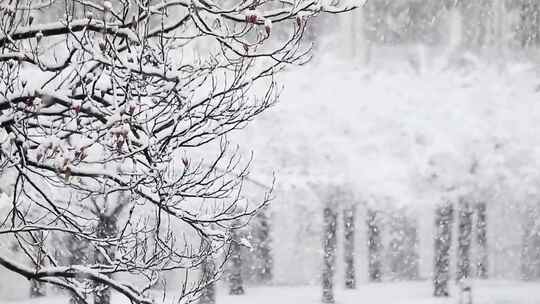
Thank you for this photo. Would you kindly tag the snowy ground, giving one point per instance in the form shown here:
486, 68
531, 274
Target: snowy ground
488, 292
392, 293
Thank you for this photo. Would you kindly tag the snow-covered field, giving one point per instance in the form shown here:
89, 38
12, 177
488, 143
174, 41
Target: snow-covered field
492, 292
484, 292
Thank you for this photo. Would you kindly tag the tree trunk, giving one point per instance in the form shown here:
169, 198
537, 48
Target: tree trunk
526, 260
106, 228
329, 247
37, 288
374, 248
413, 257
77, 250
264, 252
236, 283
348, 223
481, 239
208, 293
529, 23
530, 255
464, 241
443, 240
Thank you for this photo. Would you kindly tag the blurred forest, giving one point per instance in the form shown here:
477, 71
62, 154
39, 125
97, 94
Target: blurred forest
495, 28
407, 176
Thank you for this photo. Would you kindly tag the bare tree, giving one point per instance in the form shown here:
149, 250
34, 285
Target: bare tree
106, 228
481, 240
528, 32
236, 281
443, 240
530, 256
329, 253
349, 215
262, 248
78, 254
134, 99
37, 288
374, 246
208, 294
208, 274
465, 222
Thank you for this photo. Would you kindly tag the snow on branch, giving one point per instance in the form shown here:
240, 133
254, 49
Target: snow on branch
114, 118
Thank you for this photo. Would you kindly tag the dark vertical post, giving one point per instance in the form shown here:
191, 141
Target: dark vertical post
348, 223
465, 223
329, 248
374, 247
443, 240
481, 239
